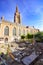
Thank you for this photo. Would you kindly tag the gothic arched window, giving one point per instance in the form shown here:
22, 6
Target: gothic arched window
14, 31
6, 30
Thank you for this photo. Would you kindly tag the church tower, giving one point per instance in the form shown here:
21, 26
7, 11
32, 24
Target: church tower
17, 16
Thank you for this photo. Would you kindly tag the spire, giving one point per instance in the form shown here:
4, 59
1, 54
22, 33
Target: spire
16, 9
17, 16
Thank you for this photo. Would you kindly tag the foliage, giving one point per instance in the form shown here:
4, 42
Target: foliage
39, 37
22, 36
29, 36
30, 40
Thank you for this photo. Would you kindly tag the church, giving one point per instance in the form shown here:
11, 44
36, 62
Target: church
10, 31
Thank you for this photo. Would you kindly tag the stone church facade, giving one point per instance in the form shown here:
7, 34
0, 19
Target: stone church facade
9, 31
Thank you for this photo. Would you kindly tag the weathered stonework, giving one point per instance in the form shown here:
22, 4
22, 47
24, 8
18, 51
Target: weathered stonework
20, 29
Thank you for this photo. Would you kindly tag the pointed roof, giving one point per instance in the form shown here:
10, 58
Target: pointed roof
16, 8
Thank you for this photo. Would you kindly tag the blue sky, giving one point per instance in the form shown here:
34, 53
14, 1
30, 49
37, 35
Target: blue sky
31, 11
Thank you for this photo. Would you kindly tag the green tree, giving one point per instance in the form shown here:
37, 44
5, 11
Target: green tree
29, 36
22, 36
39, 37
